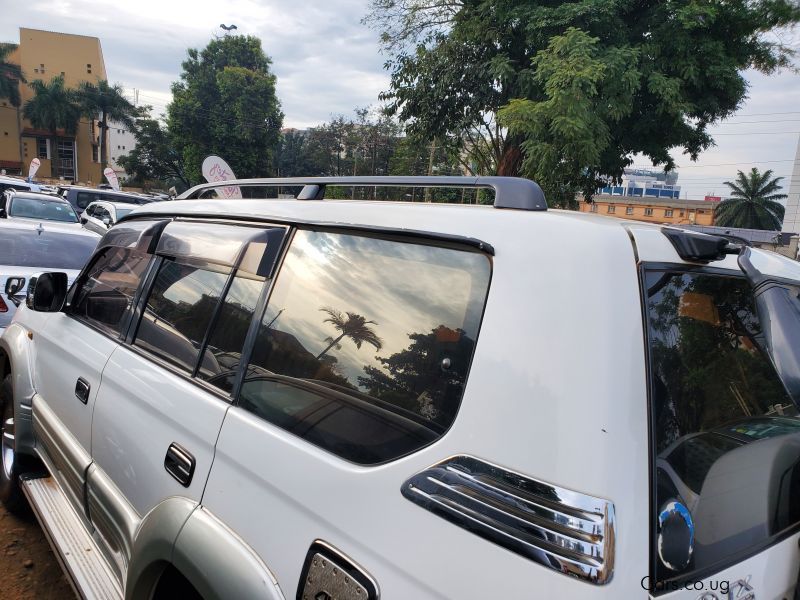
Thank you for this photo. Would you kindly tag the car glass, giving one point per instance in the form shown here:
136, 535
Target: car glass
178, 311
726, 437
46, 210
365, 345
224, 349
85, 198
121, 212
45, 249
107, 290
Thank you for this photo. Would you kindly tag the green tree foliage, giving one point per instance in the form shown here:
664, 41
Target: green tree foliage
10, 75
753, 203
597, 81
53, 107
105, 102
156, 157
225, 104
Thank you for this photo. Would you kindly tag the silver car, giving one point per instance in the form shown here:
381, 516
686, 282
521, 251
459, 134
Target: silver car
102, 215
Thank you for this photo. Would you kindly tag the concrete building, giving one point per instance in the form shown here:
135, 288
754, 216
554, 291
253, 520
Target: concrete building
791, 219
645, 183
44, 55
653, 210
120, 142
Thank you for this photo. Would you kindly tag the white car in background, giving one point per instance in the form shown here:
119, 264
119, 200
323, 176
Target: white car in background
28, 247
102, 215
17, 183
35, 206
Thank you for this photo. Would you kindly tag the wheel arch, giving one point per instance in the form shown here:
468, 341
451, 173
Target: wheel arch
15, 359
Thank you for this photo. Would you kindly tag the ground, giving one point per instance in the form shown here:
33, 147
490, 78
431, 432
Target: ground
28, 568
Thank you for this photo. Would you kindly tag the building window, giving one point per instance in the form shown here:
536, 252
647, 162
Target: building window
611, 209
629, 210
63, 74
668, 212
42, 147
95, 154
682, 213
88, 68
648, 212
594, 207
701, 212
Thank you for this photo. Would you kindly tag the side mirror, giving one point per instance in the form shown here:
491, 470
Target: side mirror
47, 292
83, 220
107, 221
2, 213
14, 285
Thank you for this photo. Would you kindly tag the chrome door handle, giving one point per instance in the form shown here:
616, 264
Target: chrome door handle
82, 388
179, 463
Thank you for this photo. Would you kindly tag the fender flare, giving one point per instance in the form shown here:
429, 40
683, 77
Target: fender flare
219, 563
15, 346
153, 544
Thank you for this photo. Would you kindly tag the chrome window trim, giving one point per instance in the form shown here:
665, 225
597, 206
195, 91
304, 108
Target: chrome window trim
568, 531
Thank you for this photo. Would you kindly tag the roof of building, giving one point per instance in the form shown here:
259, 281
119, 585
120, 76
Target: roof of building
653, 201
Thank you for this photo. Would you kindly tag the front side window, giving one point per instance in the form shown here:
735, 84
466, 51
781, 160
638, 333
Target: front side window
85, 198
179, 308
726, 437
365, 344
108, 289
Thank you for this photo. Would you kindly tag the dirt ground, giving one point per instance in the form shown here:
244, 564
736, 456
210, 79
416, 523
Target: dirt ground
28, 568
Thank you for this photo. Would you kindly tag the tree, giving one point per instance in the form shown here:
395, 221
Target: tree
109, 103
225, 104
53, 107
617, 78
753, 203
354, 326
155, 156
10, 75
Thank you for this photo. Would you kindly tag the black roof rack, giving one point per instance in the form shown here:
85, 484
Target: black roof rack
700, 247
509, 192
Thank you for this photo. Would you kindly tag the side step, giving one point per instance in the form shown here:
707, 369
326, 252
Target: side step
78, 553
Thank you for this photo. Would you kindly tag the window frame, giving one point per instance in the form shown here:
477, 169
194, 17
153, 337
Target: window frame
667, 585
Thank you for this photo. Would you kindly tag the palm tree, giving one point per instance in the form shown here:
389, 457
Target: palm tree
354, 326
109, 103
10, 75
752, 203
53, 107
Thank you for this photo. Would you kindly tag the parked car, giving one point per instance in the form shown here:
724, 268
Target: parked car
100, 216
17, 183
337, 399
36, 206
29, 246
81, 197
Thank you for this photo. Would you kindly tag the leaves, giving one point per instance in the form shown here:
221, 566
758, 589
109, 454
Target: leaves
753, 203
10, 75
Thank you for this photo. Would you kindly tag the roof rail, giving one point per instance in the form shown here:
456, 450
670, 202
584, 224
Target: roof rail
509, 192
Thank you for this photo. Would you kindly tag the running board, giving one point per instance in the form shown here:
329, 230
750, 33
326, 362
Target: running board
78, 553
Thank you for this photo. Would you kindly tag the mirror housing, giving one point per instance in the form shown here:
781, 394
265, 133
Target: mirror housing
107, 222
83, 219
14, 285
47, 292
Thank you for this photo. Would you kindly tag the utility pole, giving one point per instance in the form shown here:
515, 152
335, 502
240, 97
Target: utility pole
430, 169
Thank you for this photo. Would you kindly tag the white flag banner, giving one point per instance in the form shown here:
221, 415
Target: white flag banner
34, 166
112, 178
215, 169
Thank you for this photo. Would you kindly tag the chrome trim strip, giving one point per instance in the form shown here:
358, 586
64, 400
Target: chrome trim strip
561, 529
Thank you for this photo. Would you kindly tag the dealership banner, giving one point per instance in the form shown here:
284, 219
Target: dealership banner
112, 178
34, 166
215, 169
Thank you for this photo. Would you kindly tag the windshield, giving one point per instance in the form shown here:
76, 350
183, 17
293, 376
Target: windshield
47, 250
44, 209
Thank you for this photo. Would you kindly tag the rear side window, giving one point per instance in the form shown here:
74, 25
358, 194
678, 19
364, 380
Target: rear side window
725, 434
179, 308
85, 198
365, 344
109, 287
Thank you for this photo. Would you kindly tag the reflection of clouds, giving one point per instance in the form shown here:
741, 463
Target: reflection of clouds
405, 288
191, 288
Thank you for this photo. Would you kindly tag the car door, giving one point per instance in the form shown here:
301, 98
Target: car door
71, 352
725, 443
166, 391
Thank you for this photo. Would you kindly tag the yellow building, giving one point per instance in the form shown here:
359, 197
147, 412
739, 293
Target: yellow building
44, 55
674, 212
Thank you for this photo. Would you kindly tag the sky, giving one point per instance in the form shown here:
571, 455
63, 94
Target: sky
327, 63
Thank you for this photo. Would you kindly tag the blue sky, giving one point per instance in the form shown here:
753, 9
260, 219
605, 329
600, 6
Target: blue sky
328, 63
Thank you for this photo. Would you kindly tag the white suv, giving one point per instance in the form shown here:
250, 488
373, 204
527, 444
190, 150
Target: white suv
349, 400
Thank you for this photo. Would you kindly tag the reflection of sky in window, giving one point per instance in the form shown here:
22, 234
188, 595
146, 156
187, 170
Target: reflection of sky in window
192, 287
405, 288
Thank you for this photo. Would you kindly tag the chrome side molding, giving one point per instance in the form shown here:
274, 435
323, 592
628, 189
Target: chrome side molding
561, 529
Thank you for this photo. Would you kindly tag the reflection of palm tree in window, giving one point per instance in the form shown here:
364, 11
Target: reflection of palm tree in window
353, 326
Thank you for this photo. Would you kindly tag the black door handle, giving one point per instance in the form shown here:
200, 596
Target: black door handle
179, 463
82, 388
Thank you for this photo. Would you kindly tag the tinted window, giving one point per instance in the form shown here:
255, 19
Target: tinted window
46, 210
48, 249
85, 198
121, 212
224, 349
107, 290
365, 345
179, 310
725, 433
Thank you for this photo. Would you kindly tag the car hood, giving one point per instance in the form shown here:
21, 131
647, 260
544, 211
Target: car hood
38, 225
